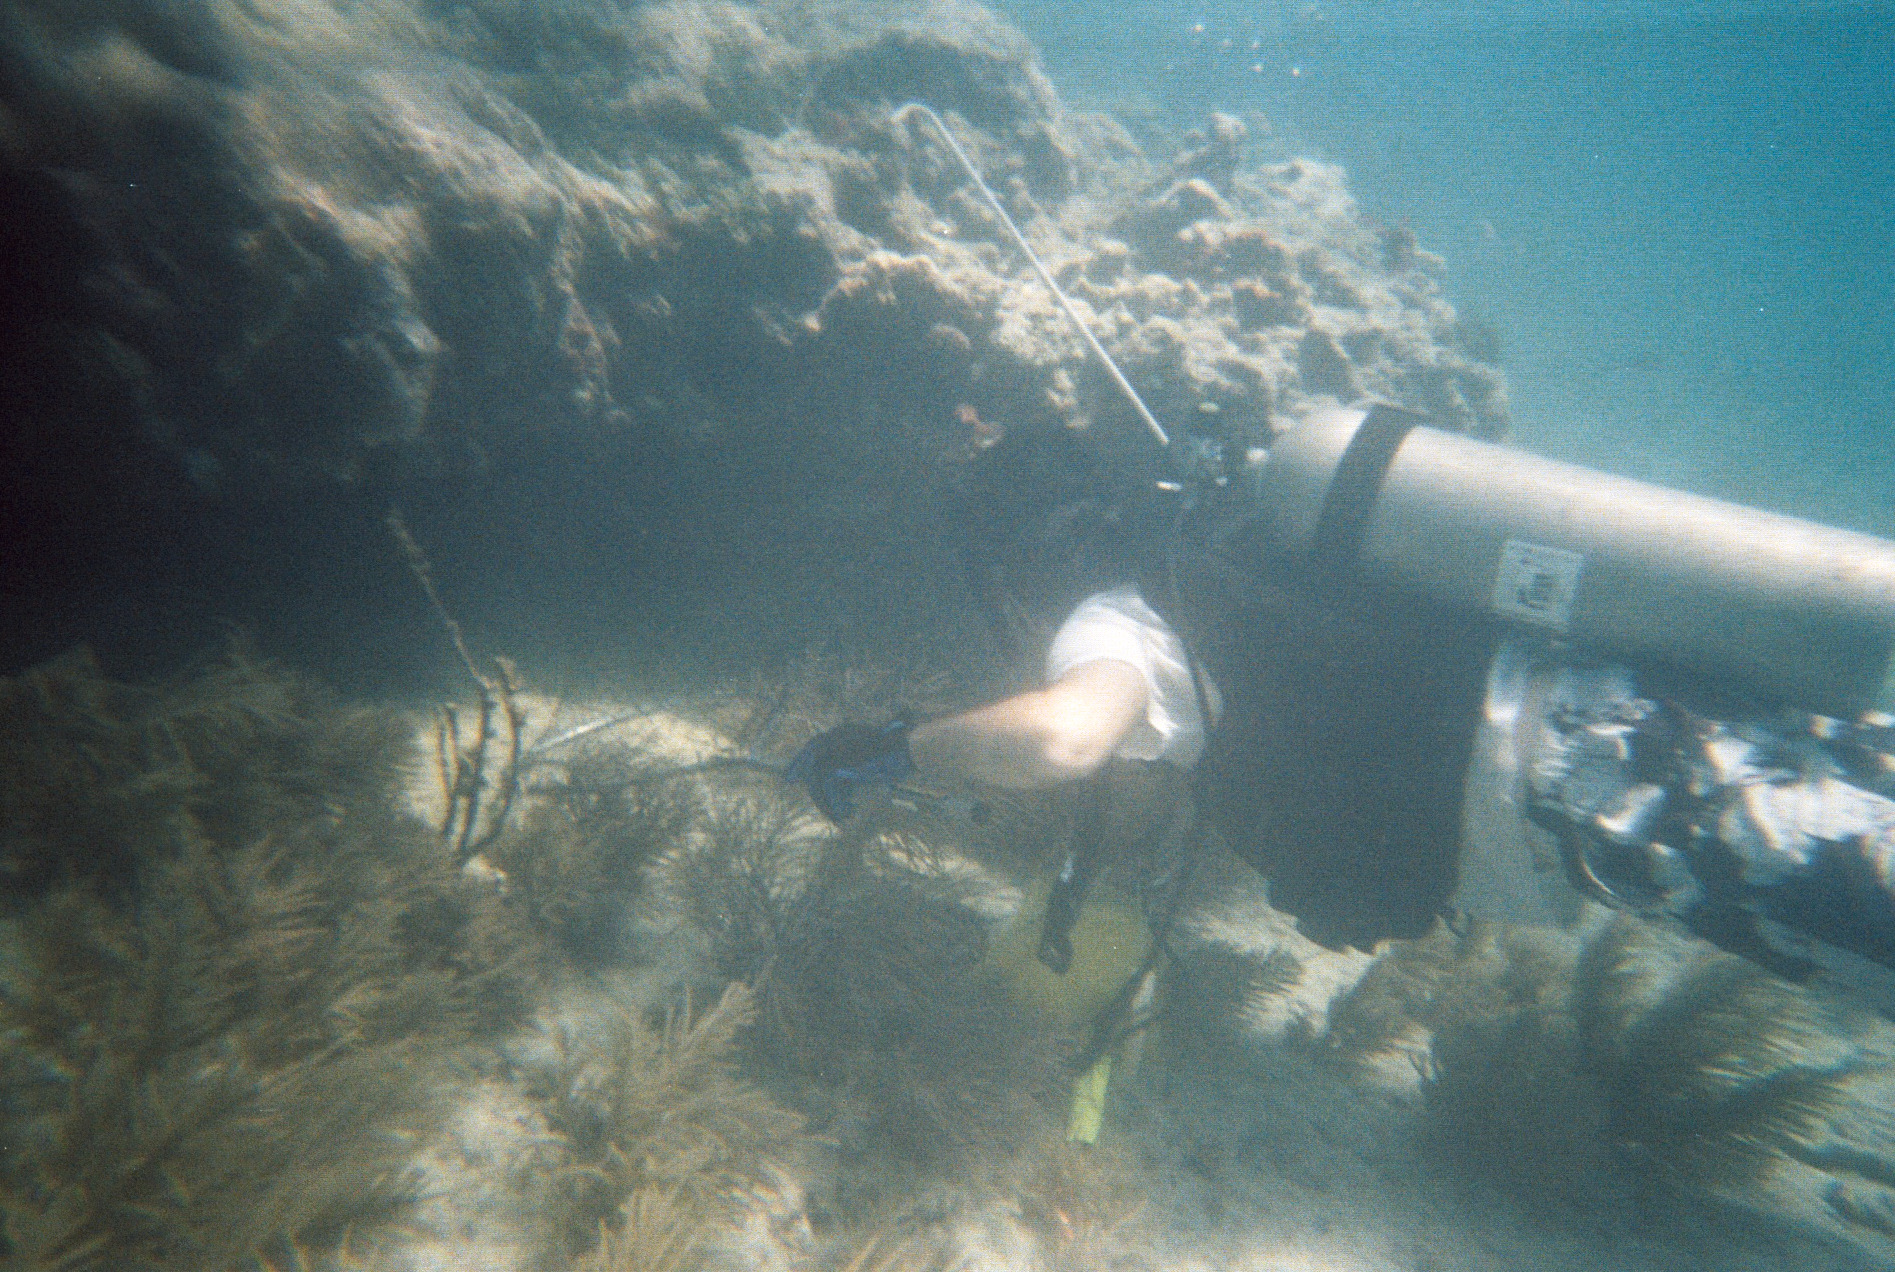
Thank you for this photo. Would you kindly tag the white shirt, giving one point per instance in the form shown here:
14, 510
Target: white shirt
1119, 626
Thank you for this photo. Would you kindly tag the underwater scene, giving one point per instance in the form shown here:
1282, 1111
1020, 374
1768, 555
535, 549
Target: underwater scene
865, 637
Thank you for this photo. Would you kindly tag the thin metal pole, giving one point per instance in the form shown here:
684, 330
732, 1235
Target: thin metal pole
1085, 333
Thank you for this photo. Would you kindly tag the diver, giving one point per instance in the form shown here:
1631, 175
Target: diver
1066, 572
1671, 699
1061, 569
1353, 823
1170, 727
1436, 649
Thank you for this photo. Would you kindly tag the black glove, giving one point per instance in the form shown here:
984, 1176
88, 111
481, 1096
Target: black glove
850, 755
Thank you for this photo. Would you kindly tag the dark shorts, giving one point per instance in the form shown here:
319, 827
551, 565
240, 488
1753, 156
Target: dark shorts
1339, 767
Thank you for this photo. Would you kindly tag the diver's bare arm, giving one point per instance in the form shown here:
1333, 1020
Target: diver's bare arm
1038, 739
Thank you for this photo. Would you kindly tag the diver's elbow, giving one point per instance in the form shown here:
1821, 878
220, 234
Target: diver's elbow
1071, 756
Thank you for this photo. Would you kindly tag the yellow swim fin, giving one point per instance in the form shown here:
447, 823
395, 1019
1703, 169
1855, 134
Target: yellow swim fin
1088, 1110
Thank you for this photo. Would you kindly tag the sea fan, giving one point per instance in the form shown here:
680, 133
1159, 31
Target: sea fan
664, 1139
235, 971
1715, 1067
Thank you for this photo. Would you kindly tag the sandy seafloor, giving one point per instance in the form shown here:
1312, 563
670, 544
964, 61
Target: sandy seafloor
1258, 1134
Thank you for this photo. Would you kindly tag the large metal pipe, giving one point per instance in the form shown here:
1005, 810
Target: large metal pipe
1367, 497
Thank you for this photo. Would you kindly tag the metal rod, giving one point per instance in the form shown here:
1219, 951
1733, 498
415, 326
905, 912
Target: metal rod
1085, 333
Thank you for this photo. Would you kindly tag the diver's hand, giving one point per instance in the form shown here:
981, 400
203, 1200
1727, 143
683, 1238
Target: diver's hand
850, 755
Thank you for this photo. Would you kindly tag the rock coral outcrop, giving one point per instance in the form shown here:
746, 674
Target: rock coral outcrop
266, 253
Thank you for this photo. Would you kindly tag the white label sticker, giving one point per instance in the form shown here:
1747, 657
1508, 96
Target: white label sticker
1536, 584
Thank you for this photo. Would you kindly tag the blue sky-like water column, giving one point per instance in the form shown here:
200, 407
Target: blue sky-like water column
1679, 220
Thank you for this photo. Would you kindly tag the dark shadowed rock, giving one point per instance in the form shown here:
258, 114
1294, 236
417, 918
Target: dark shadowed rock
673, 262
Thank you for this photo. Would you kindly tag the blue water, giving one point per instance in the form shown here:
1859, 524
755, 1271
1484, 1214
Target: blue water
1678, 219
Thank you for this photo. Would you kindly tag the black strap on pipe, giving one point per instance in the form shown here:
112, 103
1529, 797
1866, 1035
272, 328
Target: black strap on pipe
1336, 544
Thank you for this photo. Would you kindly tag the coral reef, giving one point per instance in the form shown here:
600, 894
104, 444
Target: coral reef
274, 1010
673, 261
579, 858
1484, 1018
290, 982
